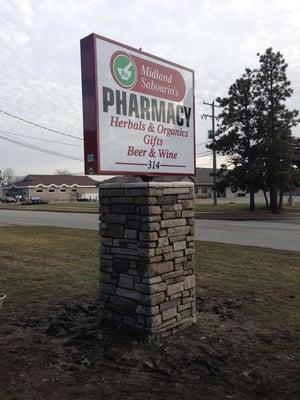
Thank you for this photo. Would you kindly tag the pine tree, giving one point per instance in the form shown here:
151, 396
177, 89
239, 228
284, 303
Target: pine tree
274, 122
295, 176
237, 137
296, 158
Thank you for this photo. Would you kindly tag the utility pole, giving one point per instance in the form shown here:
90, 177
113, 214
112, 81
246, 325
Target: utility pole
213, 137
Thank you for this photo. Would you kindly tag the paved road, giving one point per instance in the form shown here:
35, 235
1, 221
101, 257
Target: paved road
273, 234
45, 218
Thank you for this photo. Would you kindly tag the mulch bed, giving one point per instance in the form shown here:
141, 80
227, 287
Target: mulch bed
62, 351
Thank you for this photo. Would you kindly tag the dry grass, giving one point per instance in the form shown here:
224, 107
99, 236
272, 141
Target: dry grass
93, 207
88, 207
233, 208
39, 264
271, 276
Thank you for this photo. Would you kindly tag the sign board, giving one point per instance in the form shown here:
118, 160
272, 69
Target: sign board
138, 111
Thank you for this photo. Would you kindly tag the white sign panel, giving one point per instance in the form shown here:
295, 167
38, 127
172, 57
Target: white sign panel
145, 113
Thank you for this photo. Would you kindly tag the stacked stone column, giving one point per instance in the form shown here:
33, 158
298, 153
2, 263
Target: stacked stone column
146, 256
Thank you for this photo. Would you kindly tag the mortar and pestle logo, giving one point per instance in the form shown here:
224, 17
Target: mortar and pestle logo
124, 70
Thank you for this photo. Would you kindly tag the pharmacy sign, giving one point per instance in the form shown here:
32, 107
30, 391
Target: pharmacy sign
138, 111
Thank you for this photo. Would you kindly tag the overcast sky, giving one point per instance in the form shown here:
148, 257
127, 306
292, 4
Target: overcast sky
40, 77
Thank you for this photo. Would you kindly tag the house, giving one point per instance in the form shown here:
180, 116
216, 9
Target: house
53, 188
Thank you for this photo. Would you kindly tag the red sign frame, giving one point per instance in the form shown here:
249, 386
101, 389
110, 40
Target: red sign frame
92, 160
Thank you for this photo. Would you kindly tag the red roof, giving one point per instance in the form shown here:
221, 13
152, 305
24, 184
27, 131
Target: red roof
57, 180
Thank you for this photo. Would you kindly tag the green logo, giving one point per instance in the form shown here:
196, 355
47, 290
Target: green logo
124, 70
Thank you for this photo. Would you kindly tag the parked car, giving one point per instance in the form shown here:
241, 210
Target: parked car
10, 199
35, 199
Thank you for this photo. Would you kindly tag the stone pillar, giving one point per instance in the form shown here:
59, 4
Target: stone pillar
146, 257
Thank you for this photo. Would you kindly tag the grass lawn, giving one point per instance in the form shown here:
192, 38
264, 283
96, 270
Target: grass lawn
89, 207
40, 264
273, 275
242, 347
232, 208
93, 207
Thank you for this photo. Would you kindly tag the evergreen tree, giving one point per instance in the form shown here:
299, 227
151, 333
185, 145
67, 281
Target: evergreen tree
237, 137
295, 176
274, 123
256, 132
296, 158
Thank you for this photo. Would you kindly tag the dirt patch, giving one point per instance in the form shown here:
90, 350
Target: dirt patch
244, 345
62, 351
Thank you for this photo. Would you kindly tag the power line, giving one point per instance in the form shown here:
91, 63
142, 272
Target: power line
201, 144
203, 155
38, 125
37, 148
203, 152
42, 139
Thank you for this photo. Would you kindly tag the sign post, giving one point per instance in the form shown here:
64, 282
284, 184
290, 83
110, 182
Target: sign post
138, 113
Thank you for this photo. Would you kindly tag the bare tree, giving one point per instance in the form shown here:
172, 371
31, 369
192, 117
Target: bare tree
7, 176
62, 172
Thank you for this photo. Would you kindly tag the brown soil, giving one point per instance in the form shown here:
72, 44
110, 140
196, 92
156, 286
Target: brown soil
62, 352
